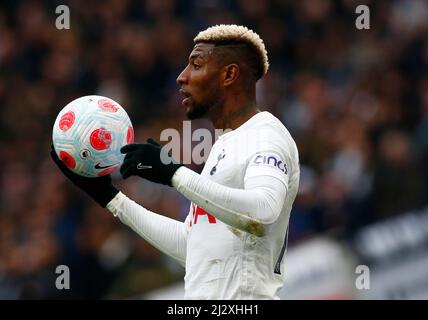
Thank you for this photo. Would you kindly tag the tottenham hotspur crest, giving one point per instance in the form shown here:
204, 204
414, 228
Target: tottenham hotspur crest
220, 156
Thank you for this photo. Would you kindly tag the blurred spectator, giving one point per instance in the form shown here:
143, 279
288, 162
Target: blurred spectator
398, 184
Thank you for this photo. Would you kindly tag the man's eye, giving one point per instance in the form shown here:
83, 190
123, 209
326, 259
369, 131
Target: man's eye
195, 66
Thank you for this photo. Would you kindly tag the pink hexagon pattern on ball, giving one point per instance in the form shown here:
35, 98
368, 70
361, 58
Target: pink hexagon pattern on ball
107, 105
100, 139
67, 159
67, 121
130, 135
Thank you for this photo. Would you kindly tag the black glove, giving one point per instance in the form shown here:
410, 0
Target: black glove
145, 160
100, 189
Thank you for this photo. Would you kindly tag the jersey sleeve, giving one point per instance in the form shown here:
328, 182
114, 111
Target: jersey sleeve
250, 209
265, 183
268, 164
165, 234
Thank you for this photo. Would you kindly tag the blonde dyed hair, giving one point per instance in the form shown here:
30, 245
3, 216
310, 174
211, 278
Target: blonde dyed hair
224, 33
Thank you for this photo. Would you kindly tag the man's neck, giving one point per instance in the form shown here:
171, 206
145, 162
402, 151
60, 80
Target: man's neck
232, 118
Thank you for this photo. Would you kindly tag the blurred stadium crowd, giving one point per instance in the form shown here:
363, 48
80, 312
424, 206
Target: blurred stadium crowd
356, 102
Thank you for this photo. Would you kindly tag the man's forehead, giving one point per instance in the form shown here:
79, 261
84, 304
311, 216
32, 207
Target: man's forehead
202, 49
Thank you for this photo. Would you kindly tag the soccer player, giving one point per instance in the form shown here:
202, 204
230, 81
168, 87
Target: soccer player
234, 238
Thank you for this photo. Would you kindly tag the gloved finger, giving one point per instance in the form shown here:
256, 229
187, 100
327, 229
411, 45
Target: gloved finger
127, 172
64, 169
130, 147
130, 161
153, 142
130, 157
125, 165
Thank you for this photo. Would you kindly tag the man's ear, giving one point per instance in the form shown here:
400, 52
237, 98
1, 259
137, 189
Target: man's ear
230, 74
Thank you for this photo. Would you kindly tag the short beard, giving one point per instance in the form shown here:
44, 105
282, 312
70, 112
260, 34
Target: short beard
198, 111
202, 109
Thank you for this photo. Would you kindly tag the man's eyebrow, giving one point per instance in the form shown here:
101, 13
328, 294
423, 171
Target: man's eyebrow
200, 54
194, 55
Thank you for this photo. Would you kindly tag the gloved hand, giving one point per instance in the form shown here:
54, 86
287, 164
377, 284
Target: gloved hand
145, 160
100, 189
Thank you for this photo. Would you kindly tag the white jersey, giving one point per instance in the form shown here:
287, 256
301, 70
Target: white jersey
233, 240
223, 262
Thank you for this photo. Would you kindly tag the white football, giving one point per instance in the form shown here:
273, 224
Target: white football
88, 134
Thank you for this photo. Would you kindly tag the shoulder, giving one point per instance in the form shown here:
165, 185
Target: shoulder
271, 133
271, 122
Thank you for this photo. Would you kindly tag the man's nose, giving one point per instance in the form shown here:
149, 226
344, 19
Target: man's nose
182, 78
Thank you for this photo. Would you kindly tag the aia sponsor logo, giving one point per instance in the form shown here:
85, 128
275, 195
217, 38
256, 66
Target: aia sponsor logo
197, 212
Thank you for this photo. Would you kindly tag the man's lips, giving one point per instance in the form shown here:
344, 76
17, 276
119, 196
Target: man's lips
186, 96
185, 101
184, 93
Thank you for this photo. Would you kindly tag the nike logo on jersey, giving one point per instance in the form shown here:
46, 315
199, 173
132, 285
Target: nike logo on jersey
140, 166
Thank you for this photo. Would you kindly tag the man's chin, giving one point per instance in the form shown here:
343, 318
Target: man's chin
193, 114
